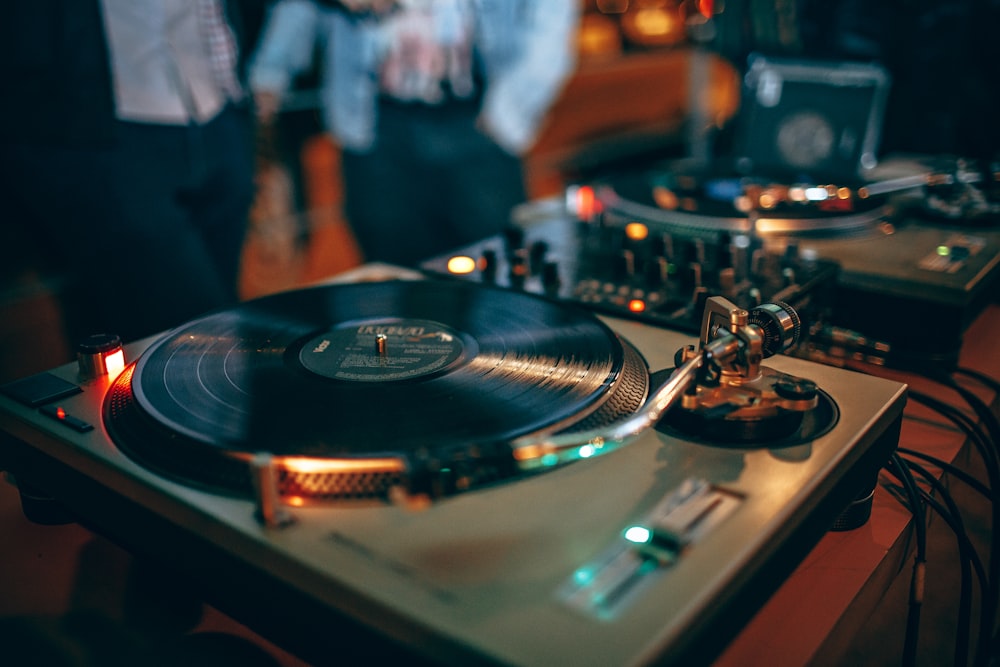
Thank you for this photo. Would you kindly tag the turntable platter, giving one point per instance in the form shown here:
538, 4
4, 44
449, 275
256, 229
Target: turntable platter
369, 374
682, 198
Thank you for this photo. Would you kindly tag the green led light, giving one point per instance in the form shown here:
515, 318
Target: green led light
550, 459
638, 534
943, 250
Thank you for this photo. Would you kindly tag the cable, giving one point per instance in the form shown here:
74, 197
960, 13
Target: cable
897, 467
986, 415
974, 431
984, 433
986, 445
969, 558
951, 469
984, 379
992, 424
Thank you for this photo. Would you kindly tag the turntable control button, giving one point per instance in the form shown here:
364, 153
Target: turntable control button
60, 415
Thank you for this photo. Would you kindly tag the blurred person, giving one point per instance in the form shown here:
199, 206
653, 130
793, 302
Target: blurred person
433, 104
126, 155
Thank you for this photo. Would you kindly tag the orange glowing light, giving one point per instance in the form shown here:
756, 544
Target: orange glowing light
654, 22
114, 363
295, 501
60, 413
665, 198
461, 265
587, 205
637, 305
303, 465
636, 231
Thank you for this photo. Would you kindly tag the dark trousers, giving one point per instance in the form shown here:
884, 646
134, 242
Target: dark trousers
432, 183
150, 230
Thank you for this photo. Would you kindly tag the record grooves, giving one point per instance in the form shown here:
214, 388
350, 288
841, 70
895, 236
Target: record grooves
347, 385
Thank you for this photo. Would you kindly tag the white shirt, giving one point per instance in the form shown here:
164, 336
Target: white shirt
162, 60
427, 51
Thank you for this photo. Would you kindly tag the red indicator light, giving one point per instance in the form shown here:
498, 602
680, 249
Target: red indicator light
60, 413
587, 205
637, 305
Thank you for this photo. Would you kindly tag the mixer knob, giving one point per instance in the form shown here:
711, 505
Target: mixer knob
550, 276
668, 246
626, 264
488, 265
699, 250
513, 238
692, 276
518, 270
788, 276
739, 250
727, 282
724, 253
658, 271
698, 299
536, 256
791, 257
656, 246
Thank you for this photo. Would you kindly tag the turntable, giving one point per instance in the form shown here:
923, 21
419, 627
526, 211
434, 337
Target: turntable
461, 473
650, 241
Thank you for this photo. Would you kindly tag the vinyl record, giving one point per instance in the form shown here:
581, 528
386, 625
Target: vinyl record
366, 371
686, 199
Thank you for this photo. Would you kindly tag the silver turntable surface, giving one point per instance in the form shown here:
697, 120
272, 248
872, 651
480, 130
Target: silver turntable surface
540, 570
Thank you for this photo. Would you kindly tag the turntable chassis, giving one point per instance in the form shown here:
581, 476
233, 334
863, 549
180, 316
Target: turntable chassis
477, 578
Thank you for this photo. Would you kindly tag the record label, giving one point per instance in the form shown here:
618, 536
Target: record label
384, 350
